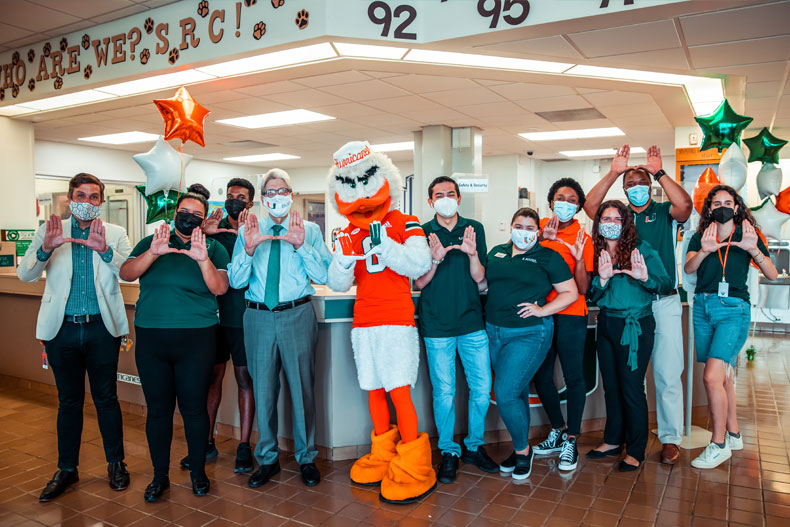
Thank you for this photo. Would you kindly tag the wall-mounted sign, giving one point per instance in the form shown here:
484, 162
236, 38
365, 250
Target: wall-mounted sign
473, 185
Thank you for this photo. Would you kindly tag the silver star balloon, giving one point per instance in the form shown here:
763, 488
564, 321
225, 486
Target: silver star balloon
163, 166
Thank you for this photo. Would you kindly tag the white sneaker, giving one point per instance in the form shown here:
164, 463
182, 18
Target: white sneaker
735, 443
712, 456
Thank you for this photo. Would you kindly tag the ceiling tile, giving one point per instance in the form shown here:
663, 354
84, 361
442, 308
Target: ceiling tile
121, 13
453, 98
34, 17
736, 24
672, 59
380, 74
69, 28
429, 83
493, 109
639, 37
521, 90
553, 46
331, 79
742, 52
10, 33
84, 8
755, 90
769, 71
614, 98
365, 91
552, 104
262, 90
306, 98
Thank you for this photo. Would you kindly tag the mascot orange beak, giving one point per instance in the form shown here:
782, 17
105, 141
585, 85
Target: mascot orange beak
365, 210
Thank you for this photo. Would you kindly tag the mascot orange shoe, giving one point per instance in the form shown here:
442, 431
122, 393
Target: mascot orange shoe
382, 248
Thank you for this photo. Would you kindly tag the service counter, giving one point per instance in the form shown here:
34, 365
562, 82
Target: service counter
342, 421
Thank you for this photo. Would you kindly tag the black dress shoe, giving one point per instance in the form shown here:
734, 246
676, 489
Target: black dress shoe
243, 459
58, 484
598, 454
155, 489
211, 453
480, 459
262, 475
200, 485
310, 474
447, 468
119, 476
625, 467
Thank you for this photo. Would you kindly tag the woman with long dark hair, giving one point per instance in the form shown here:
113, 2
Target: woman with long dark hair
720, 252
628, 273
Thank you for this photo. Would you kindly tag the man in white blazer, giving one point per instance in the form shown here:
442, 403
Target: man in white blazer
81, 321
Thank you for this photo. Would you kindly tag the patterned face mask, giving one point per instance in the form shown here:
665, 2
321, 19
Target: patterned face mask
84, 211
610, 231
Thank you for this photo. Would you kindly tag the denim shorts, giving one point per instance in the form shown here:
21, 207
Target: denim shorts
721, 326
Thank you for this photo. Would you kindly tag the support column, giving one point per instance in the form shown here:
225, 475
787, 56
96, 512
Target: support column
18, 199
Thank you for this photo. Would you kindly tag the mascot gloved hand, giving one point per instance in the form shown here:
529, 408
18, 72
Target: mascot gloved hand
381, 249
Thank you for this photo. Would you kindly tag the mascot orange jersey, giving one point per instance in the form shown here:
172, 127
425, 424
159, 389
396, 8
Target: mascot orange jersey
383, 296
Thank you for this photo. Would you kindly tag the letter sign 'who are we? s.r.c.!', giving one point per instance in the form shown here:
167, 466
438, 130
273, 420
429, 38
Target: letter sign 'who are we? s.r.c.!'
194, 35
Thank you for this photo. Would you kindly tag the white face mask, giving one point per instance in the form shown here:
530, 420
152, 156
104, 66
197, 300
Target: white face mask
278, 206
523, 239
446, 207
84, 211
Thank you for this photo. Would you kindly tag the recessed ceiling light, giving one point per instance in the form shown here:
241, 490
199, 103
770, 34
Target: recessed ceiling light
485, 61
393, 147
572, 134
600, 152
260, 157
157, 82
72, 99
369, 51
123, 138
268, 61
268, 120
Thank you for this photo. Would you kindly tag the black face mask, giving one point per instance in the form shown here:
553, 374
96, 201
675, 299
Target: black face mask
722, 214
186, 222
234, 207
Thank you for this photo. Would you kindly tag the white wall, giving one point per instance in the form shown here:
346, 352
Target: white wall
18, 201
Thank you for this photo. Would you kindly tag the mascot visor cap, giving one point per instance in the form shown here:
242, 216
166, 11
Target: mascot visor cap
351, 154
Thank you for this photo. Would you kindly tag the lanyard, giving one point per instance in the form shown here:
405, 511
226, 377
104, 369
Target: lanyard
726, 253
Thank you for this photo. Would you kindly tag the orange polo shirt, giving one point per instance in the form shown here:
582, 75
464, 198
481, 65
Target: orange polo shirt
568, 235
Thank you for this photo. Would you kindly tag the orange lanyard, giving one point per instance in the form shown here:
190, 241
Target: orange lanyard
726, 253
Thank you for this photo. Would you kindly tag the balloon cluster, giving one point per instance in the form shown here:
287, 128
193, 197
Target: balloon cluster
764, 147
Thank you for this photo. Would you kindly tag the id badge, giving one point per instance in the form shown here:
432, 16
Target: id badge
724, 289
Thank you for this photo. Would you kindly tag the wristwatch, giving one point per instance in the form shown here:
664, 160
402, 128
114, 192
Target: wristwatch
658, 174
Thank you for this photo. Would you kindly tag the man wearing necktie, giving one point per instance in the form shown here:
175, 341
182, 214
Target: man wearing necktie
277, 260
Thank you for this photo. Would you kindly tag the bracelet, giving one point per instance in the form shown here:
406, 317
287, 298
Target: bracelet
437, 262
761, 260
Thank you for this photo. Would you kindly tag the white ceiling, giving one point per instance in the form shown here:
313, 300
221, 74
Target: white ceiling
746, 40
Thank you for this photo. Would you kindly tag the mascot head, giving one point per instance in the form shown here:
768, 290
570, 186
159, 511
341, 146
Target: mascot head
365, 185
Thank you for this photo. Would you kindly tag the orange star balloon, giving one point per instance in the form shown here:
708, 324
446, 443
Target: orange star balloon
783, 201
706, 181
183, 117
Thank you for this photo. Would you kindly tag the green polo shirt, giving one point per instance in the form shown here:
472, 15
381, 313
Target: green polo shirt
173, 293
449, 305
231, 304
737, 271
656, 226
527, 277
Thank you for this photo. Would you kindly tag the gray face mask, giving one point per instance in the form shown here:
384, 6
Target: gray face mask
84, 211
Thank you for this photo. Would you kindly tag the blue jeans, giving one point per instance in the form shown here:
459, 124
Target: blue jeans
516, 354
473, 351
721, 326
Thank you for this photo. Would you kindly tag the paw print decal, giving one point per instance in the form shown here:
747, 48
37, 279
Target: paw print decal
144, 56
15, 58
64, 43
87, 72
277, 3
172, 57
250, 3
202, 9
47, 49
259, 30
31, 84
2, 94
149, 25
31, 54
15, 91
86, 41
302, 19
58, 83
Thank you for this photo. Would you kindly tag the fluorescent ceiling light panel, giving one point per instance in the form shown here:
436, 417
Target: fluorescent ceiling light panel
123, 138
369, 51
600, 152
268, 120
485, 61
72, 99
11, 111
268, 61
572, 134
393, 147
156, 82
261, 157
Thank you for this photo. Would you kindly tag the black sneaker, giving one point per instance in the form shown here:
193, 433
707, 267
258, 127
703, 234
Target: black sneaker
552, 444
509, 464
211, 453
523, 467
480, 459
447, 468
243, 459
569, 455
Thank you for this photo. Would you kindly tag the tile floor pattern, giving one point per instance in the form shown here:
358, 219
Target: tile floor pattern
752, 489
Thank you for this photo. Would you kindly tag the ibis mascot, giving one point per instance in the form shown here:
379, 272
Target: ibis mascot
381, 249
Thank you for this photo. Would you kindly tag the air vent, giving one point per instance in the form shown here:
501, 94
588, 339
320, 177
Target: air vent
564, 116
248, 144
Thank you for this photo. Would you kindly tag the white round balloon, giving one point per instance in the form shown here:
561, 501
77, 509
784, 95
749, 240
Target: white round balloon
769, 219
162, 166
769, 180
732, 167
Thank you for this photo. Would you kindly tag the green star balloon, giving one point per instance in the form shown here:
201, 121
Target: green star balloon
722, 128
764, 147
160, 207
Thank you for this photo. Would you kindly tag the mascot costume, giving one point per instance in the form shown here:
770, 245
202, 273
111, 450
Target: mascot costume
382, 248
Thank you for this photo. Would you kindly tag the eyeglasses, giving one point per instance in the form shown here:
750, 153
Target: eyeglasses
612, 220
276, 192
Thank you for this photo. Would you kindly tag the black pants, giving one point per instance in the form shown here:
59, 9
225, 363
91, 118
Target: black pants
624, 390
570, 333
175, 365
75, 350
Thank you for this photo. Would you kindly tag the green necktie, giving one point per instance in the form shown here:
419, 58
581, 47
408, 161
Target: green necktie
272, 295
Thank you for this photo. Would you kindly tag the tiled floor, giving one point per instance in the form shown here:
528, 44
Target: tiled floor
752, 489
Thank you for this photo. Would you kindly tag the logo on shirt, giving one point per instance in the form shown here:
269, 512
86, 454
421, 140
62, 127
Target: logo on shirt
387, 224
529, 259
651, 218
355, 231
500, 255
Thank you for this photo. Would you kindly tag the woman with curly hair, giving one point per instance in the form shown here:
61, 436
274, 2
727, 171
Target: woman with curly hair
721, 307
628, 273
